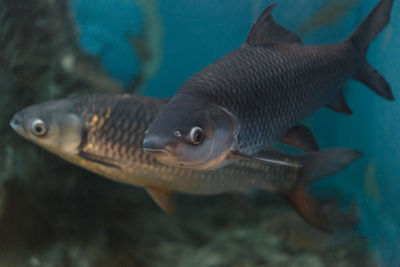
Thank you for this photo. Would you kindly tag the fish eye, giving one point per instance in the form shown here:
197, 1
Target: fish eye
38, 127
196, 135
177, 134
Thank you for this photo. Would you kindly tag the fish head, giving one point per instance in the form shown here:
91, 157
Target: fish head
192, 135
52, 125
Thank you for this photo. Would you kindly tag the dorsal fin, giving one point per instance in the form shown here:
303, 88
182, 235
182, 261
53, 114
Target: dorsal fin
265, 31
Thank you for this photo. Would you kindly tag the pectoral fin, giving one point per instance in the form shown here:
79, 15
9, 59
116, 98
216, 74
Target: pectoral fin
301, 137
163, 198
339, 104
272, 161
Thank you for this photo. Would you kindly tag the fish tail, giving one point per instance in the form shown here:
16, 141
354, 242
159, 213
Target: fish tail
315, 166
361, 38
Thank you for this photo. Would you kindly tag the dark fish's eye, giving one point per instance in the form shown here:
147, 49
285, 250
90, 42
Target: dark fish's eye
38, 127
177, 134
196, 135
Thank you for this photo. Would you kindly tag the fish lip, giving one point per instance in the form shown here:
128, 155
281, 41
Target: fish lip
155, 145
155, 150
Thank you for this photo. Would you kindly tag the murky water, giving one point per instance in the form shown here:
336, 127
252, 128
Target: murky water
54, 213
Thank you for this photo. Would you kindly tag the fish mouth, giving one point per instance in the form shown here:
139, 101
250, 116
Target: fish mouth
154, 145
155, 150
16, 125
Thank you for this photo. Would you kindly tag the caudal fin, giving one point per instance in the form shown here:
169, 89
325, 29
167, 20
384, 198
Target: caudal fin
361, 39
371, 78
316, 166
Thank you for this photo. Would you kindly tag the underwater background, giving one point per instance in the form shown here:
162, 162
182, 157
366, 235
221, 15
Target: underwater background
55, 214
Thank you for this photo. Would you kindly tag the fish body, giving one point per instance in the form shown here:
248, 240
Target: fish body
259, 93
287, 94
104, 134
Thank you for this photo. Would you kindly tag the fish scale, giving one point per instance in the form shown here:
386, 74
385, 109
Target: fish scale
281, 97
274, 112
103, 123
132, 160
260, 93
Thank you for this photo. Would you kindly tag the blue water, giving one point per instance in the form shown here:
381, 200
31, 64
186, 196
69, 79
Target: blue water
195, 33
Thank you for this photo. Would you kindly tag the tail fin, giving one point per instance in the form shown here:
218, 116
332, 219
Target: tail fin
372, 25
361, 39
316, 166
371, 78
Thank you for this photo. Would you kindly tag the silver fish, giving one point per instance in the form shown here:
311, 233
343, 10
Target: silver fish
259, 93
104, 134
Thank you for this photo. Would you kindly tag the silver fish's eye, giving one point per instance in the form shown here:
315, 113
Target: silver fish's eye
196, 135
38, 127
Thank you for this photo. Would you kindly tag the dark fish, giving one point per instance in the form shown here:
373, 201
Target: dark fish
104, 134
260, 92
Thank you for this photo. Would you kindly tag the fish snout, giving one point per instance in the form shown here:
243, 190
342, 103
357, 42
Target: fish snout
16, 124
154, 145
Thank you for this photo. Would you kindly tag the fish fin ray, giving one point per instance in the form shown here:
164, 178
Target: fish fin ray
316, 166
309, 209
372, 25
371, 78
302, 138
98, 159
163, 198
325, 163
264, 159
266, 31
339, 104
361, 38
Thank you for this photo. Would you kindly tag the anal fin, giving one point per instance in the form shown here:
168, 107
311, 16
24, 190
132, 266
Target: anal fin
163, 198
300, 137
339, 104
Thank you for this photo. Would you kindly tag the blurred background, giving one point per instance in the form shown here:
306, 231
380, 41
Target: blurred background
55, 214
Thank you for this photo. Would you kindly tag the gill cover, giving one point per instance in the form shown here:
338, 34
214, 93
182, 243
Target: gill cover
220, 133
192, 134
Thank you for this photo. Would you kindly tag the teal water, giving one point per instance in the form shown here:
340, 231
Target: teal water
196, 33
151, 47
